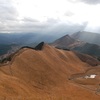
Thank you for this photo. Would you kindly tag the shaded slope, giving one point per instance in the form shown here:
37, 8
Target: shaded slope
90, 49
63, 42
67, 42
44, 74
88, 59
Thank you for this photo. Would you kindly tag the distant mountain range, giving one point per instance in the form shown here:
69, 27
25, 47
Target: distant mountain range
83, 42
25, 38
70, 42
8, 48
12, 42
89, 37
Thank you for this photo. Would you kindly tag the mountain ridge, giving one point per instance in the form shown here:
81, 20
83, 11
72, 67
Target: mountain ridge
77, 45
41, 46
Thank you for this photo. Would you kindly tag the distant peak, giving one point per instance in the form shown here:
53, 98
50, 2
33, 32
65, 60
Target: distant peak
39, 46
67, 35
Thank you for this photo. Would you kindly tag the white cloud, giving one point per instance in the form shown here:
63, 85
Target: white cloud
47, 15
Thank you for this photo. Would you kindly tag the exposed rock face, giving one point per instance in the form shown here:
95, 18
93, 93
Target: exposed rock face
39, 46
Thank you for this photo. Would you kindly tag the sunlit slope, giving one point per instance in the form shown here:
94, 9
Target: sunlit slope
44, 74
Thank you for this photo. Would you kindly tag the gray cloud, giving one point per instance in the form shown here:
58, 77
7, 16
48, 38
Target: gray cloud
93, 2
7, 11
63, 28
51, 26
28, 19
8, 15
9, 22
69, 14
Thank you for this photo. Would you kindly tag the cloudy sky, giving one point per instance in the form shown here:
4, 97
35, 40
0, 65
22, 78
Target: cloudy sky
49, 16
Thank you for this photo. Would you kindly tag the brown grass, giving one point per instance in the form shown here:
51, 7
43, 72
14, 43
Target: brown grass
43, 75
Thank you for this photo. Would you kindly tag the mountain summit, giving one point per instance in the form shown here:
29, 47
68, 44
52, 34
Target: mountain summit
63, 41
